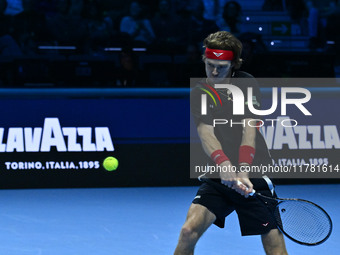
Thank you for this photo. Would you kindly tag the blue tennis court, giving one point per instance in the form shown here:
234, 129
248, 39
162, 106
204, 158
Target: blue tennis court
134, 221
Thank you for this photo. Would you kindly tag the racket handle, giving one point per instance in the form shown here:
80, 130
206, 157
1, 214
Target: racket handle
251, 193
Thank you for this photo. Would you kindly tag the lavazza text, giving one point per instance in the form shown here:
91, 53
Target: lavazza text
52, 135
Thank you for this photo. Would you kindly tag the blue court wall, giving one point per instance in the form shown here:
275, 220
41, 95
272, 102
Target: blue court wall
59, 137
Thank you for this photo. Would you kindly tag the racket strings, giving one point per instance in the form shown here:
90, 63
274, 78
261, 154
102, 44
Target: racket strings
303, 221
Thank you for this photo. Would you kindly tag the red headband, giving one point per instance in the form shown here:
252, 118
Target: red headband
219, 54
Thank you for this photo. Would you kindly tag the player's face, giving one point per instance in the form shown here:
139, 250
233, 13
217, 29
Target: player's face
217, 69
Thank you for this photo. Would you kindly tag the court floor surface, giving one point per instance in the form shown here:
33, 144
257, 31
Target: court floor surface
124, 221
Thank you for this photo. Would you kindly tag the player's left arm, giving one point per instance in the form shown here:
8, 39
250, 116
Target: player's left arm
249, 134
247, 153
247, 147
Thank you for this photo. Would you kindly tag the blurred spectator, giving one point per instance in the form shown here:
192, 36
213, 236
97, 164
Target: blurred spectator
313, 19
4, 20
272, 5
327, 17
199, 26
297, 9
66, 26
213, 9
333, 35
99, 27
164, 25
194, 27
252, 44
137, 26
128, 74
8, 46
46, 6
231, 18
314, 26
194, 66
183, 12
29, 28
182, 7
298, 12
14, 7
116, 10
3, 6
329, 9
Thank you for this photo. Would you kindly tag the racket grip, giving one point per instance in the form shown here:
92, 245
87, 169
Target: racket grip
251, 193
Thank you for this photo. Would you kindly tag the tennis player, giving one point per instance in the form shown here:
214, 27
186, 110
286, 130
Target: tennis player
226, 146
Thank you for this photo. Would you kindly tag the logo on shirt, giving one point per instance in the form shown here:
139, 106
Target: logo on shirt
204, 98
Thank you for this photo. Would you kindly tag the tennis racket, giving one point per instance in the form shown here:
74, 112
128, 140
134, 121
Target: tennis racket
302, 221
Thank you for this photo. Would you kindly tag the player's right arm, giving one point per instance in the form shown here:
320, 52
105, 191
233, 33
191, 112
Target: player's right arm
210, 145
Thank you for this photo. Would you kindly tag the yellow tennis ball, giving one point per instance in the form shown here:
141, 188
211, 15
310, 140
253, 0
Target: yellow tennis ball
110, 163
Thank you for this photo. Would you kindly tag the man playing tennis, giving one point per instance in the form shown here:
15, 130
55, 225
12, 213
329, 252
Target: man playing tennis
228, 146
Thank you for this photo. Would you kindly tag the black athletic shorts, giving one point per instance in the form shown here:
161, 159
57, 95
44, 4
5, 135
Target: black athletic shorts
254, 215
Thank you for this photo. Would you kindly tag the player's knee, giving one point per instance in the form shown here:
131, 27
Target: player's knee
276, 252
273, 243
189, 235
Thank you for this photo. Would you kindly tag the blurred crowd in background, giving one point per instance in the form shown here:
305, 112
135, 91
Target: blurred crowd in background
124, 38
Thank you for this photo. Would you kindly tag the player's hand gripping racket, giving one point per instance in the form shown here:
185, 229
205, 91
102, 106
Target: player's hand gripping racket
300, 220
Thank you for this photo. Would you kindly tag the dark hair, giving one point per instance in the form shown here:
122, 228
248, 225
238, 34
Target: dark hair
224, 40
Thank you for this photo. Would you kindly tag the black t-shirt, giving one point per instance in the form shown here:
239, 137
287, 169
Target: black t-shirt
221, 107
